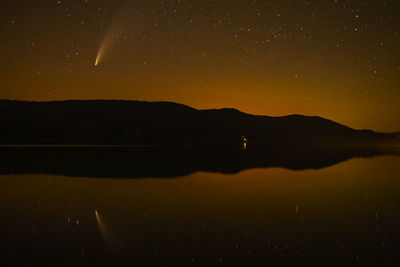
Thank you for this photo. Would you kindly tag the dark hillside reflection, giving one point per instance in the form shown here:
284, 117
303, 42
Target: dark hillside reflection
169, 162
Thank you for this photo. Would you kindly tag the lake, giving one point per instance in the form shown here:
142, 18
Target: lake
200, 205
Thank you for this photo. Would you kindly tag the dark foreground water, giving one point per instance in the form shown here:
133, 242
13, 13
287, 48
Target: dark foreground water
153, 206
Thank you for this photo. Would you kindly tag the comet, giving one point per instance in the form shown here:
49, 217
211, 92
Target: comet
122, 25
108, 42
97, 60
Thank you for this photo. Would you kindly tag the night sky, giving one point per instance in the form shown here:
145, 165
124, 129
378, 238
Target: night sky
334, 58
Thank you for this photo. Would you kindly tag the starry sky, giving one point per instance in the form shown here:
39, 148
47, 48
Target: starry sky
339, 59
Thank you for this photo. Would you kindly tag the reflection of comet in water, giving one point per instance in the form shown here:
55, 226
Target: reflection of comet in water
101, 225
109, 238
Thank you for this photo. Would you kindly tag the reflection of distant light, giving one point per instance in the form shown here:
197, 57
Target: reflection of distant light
244, 140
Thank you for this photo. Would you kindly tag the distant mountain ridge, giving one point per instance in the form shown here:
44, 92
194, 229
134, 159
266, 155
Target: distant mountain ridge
122, 121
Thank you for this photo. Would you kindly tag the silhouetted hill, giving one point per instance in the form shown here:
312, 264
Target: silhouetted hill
111, 121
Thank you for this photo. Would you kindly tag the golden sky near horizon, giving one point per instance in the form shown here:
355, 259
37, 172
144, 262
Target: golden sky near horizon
334, 58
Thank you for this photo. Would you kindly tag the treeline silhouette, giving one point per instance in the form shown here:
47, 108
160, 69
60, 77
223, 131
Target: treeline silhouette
112, 121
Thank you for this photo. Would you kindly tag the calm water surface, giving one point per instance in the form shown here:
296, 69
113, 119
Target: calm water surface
347, 213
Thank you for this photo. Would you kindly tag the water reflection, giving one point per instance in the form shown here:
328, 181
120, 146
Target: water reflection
168, 162
347, 214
